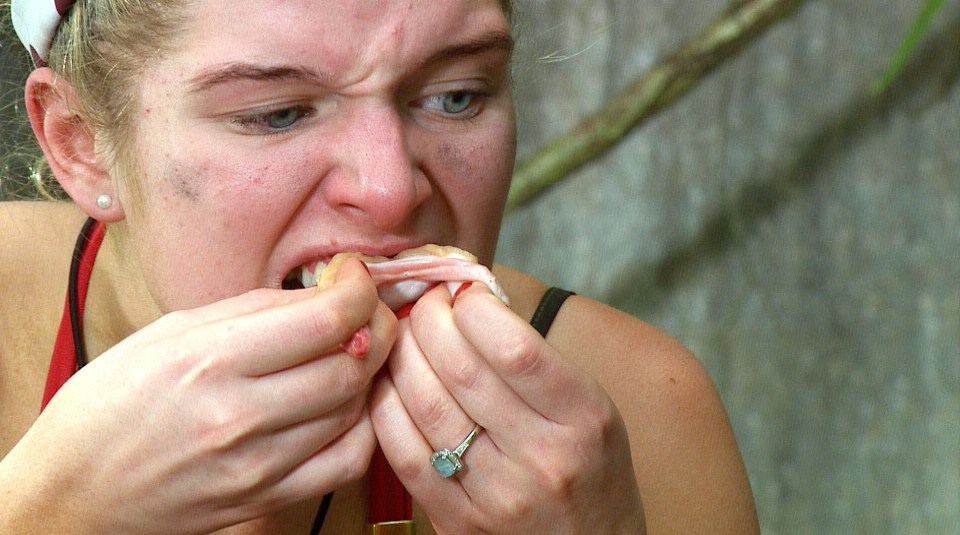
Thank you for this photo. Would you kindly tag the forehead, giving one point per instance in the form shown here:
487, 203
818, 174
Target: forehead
342, 38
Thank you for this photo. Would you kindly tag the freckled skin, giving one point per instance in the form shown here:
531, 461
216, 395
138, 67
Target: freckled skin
455, 156
181, 179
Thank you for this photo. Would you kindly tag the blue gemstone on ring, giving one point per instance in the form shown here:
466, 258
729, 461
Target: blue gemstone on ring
446, 463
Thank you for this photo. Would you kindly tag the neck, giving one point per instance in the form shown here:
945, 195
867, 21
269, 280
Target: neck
118, 303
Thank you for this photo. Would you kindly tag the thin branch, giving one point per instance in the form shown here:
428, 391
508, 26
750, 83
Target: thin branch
920, 27
736, 27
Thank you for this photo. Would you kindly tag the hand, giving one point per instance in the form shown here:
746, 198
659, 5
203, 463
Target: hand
213, 416
553, 454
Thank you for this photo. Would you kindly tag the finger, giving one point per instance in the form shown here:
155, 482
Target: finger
294, 444
276, 338
470, 380
308, 390
254, 301
402, 443
408, 453
255, 462
549, 384
338, 463
247, 303
433, 409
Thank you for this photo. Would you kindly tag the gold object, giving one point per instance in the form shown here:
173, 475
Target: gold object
400, 527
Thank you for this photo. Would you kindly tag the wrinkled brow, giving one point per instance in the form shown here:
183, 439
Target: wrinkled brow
239, 71
242, 71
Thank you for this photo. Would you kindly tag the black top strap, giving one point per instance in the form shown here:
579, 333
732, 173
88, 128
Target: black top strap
548, 308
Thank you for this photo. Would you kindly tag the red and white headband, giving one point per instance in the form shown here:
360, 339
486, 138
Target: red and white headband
36, 22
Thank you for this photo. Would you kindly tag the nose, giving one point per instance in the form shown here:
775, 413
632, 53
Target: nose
378, 178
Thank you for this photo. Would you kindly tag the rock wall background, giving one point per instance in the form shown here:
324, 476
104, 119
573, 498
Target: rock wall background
800, 234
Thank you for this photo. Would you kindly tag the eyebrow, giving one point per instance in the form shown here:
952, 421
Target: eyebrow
490, 41
243, 71
246, 72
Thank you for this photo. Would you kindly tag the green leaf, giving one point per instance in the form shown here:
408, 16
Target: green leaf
920, 26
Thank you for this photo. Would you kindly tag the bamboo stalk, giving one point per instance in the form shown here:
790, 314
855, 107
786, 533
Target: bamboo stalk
663, 84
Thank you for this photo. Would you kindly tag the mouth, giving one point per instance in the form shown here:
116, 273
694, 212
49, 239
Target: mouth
309, 273
304, 276
403, 277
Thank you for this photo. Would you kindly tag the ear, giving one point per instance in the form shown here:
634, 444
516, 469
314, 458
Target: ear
69, 145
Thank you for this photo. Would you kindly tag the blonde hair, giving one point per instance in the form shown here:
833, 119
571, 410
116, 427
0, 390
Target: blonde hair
100, 49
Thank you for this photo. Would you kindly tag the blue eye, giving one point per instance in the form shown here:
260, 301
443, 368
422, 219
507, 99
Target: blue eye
282, 119
456, 103
275, 121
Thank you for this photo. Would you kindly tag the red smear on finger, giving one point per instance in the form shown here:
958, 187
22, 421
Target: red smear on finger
359, 344
463, 287
404, 311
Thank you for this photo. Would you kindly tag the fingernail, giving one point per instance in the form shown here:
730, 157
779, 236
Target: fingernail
463, 287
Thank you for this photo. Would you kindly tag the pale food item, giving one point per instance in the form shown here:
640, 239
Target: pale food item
407, 276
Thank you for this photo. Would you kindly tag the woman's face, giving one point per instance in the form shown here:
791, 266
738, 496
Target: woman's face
281, 132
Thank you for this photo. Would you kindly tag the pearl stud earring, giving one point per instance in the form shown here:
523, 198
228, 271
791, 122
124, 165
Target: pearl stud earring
104, 201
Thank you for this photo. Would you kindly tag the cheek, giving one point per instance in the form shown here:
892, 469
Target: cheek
233, 184
182, 179
475, 180
474, 177
481, 171
219, 218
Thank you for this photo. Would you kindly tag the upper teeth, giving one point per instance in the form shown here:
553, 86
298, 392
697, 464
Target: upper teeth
309, 278
305, 275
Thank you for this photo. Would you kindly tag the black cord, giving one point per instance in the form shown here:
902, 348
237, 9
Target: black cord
73, 292
321, 513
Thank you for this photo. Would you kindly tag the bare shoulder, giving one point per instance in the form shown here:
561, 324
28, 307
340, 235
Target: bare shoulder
37, 241
35, 257
35, 228
691, 475
688, 464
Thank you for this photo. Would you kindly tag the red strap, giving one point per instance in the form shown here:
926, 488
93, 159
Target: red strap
389, 500
63, 364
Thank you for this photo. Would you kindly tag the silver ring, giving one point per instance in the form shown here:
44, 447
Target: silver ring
447, 463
